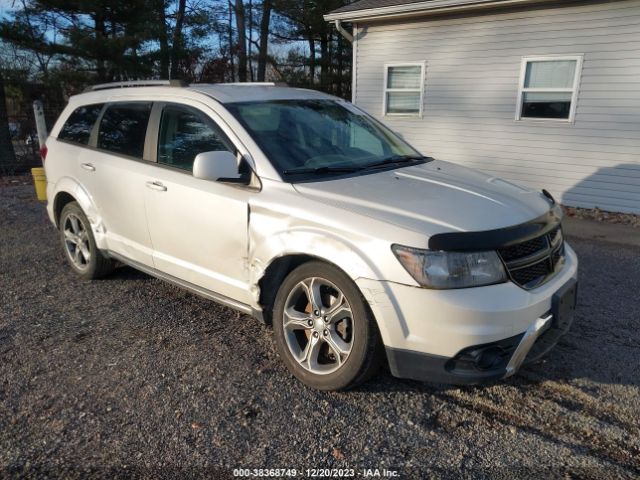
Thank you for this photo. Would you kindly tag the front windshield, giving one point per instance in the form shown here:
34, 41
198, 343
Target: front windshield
320, 137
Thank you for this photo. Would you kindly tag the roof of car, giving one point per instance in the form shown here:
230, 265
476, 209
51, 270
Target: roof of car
238, 92
222, 92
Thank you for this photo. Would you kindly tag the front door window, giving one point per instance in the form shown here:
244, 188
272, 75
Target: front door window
184, 133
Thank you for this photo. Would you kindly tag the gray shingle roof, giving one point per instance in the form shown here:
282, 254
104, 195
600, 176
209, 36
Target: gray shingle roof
366, 4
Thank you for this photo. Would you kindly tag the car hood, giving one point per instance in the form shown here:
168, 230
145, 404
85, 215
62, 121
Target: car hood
432, 198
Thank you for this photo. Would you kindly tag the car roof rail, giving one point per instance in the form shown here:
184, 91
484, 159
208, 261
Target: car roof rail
138, 83
255, 84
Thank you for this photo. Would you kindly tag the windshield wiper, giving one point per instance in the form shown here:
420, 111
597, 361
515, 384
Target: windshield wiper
394, 160
321, 170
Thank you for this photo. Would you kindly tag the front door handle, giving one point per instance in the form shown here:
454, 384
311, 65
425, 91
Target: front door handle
88, 166
156, 186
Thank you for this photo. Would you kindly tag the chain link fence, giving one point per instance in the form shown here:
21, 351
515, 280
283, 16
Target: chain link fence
22, 123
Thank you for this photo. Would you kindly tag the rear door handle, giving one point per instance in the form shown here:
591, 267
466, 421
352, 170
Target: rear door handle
88, 166
156, 186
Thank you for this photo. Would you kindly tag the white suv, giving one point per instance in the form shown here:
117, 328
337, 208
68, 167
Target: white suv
300, 209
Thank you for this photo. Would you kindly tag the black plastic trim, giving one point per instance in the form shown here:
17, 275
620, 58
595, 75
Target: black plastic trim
549, 196
499, 238
563, 304
433, 368
196, 289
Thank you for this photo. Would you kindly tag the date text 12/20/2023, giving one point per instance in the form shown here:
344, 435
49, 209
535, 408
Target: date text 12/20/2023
316, 473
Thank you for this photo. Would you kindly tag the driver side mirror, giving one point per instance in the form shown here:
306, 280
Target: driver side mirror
221, 166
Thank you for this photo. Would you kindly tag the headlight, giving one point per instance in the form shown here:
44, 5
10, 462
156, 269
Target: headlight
443, 270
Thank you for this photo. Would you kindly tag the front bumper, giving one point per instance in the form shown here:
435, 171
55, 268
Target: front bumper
467, 336
481, 363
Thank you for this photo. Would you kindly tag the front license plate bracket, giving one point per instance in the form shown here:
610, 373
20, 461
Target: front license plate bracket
563, 305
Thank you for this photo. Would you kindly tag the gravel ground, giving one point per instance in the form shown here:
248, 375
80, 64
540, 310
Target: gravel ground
129, 376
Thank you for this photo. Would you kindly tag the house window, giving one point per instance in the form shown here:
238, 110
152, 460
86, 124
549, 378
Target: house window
403, 89
549, 88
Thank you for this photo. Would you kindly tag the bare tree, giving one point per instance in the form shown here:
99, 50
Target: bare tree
242, 40
250, 46
163, 39
263, 49
178, 43
230, 33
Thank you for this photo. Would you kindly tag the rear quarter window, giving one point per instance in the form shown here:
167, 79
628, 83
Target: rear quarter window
123, 128
77, 128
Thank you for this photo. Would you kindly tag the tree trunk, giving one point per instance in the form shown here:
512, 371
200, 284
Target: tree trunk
164, 41
331, 78
177, 43
7, 156
264, 40
324, 61
230, 25
100, 36
312, 60
250, 47
242, 41
340, 74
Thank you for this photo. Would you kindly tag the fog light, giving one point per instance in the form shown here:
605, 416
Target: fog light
489, 358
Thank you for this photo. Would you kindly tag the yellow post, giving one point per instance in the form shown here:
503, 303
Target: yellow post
39, 177
40, 182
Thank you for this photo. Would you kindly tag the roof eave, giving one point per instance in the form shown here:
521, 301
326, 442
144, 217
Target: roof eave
423, 9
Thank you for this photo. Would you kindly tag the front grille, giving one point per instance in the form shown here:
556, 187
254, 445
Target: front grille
523, 249
534, 262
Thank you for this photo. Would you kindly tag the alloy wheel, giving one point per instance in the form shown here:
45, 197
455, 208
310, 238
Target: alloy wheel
318, 325
76, 241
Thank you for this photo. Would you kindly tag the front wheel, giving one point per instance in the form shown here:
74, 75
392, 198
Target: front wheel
324, 330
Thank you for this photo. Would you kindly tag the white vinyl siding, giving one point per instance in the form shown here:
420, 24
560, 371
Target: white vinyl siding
472, 87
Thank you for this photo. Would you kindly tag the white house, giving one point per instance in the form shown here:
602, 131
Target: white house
544, 93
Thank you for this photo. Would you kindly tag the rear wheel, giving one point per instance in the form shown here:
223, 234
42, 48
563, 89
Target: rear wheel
324, 330
80, 246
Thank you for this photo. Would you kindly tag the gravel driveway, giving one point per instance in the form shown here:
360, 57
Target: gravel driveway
130, 376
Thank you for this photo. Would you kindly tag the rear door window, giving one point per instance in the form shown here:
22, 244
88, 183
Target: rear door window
77, 128
123, 128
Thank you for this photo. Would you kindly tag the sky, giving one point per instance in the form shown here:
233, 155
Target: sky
274, 48
5, 4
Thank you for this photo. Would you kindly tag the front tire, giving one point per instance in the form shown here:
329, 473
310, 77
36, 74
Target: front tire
324, 330
79, 244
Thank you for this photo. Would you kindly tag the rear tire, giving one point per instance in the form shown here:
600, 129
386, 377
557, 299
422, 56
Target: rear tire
79, 244
324, 330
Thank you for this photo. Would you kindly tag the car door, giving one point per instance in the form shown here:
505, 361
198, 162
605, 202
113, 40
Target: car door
198, 227
73, 137
114, 174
